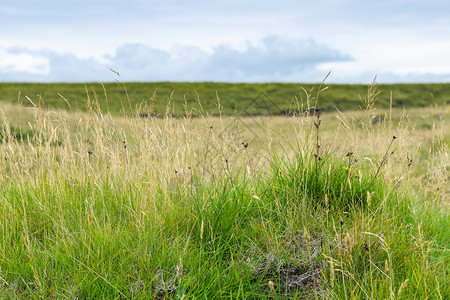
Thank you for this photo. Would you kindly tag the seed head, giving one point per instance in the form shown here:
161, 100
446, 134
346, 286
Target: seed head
331, 273
348, 243
410, 162
271, 286
404, 284
366, 247
307, 238
317, 124
201, 230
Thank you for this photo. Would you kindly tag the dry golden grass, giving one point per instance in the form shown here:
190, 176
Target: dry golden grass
90, 144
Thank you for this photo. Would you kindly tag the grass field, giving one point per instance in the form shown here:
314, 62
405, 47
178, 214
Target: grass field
202, 98
319, 205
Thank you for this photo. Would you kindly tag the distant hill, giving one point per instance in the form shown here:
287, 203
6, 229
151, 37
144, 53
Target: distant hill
157, 98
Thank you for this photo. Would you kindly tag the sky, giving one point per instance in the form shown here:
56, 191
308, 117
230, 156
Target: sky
227, 41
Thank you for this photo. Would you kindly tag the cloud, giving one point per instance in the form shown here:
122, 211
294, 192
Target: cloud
24, 62
48, 66
272, 59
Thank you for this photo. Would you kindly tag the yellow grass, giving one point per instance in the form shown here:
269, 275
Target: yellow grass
89, 145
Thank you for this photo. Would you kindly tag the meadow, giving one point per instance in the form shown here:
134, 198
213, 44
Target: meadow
152, 98
199, 199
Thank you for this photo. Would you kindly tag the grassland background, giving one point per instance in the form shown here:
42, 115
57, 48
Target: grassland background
276, 98
109, 206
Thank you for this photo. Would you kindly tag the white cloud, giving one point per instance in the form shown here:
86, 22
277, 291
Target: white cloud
271, 59
11, 62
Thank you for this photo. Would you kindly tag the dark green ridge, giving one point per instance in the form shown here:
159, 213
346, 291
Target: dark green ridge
243, 98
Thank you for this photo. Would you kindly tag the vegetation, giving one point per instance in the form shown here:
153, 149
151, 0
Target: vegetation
202, 98
336, 205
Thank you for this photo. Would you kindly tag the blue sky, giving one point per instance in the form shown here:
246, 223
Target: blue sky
232, 41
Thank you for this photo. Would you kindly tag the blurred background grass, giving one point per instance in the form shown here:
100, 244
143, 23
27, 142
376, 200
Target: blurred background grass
157, 98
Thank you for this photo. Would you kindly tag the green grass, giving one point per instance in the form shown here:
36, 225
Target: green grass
226, 238
156, 98
121, 208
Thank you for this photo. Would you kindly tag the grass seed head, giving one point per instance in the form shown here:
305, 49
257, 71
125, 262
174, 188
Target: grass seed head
369, 198
348, 243
307, 238
402, 287
201, 231
271, 286
331, 273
